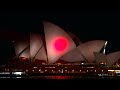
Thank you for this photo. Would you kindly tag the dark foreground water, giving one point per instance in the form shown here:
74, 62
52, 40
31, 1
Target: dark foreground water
63, 77
74, 77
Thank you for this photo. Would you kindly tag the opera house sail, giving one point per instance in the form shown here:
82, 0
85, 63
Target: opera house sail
113, 57
89, 47
37, 48
58, 45
100, 58
58, 52
75, 38
108, 59
22, 49
58, 42
73, 56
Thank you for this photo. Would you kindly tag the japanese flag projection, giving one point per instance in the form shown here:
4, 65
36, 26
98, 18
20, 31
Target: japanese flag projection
58, 42
37, 49
22, 49
88, 49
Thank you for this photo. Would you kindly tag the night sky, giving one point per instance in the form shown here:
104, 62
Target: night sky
86, 24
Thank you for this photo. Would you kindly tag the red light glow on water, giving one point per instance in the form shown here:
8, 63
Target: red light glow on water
61, 44
60, 77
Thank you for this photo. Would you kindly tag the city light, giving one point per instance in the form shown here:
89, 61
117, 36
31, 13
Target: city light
17, 73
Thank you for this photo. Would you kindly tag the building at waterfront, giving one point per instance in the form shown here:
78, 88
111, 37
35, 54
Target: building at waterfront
59, 52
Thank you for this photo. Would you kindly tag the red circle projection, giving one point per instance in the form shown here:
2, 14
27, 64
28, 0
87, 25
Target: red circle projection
61, 44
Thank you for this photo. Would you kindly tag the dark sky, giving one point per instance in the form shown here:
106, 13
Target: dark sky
86, 24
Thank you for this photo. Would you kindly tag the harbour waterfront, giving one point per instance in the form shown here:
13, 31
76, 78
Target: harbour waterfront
65, 77
66, 71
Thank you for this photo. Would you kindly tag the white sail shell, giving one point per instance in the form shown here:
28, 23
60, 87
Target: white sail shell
89, 47
19, 49
112, 58
53, 32
73, 55
100, 58
37, 49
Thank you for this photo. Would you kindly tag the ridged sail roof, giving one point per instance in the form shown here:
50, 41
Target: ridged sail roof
73, 55
100, 57
75, 38
22, 49
89, 47
55, 34
37, 49
112, 58
59, 45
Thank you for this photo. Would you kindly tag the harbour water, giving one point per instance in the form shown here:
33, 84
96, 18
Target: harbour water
63, 77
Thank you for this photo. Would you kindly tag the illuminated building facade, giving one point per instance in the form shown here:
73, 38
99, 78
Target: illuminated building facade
58, 54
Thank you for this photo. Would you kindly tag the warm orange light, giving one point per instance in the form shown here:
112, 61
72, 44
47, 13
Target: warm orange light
24, 58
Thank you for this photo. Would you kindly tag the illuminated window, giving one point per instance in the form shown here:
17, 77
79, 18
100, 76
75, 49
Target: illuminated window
17, 73
34, 67
4, 72
42, 72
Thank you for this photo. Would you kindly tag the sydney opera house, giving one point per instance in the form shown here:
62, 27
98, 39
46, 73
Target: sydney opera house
58, 52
